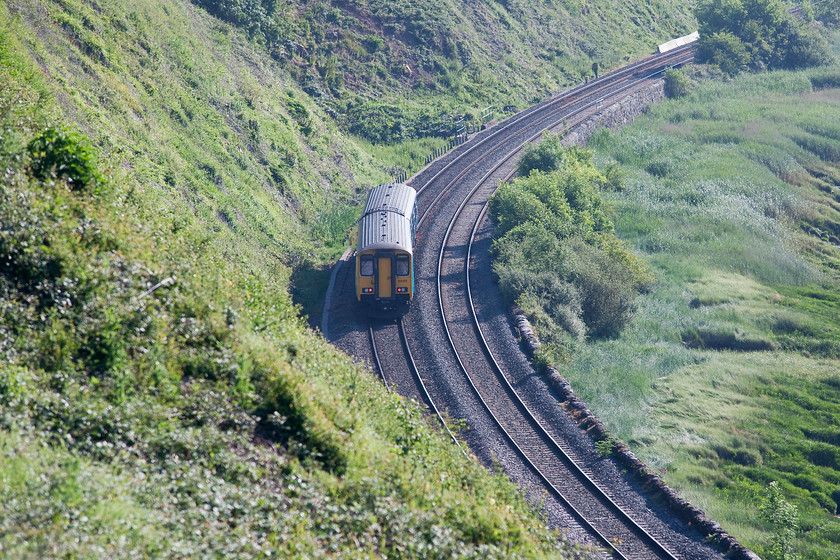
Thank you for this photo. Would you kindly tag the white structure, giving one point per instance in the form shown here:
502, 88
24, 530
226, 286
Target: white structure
674, 43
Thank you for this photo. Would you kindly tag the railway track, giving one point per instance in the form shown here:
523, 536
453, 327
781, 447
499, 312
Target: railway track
513, 133
614, 528
399, 366
459, 372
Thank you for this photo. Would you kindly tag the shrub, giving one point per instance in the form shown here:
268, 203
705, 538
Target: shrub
825, 502
62, 154
825, 456
555, 250
677, 83
545, 156
382, 123
615, 176
800, 46
756, 34
784, 518
373, 43
835, 497
828, 12
607, 288
518, 204
724, 50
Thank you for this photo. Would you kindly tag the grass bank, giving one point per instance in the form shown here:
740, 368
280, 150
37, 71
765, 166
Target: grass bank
727, 379
395, 70
159, 394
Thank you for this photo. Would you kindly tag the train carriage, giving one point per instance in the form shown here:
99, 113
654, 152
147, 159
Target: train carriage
385, 252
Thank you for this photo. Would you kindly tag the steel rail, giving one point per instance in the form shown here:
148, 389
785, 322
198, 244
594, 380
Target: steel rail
550, 108
573, 467
376, 355
409, 358
431, 401
593, 485
580, 517
571, 464
563, 99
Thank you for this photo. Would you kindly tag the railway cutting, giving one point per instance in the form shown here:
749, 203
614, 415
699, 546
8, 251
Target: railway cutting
456, 352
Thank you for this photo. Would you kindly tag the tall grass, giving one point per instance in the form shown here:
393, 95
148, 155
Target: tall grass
727, 367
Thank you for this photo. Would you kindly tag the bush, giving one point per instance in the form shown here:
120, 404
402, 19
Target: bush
381, 123
61, 154
784, 518
677, 83
800, 46
825, 502
835, 496
545, 156
756, 35
724, 50
555, 250
827, 12
524, 202
607, 288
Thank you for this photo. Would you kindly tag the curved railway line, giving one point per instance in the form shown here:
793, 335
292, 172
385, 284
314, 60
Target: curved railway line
459, 375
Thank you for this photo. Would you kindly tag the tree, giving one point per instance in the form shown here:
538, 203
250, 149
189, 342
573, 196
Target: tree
827, 12
724, 50
720, 15
737, 35
800, 46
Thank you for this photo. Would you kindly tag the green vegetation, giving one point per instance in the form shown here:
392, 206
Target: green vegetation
677, 84
159, 394
726, 378
785, 520
828, 12
738, 35
556, 255
399, 69
174, 176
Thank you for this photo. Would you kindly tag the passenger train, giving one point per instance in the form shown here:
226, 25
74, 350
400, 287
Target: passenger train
385, 251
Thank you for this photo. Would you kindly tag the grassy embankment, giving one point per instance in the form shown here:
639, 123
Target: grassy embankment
727, 377
160, 396
392, 71
223, 117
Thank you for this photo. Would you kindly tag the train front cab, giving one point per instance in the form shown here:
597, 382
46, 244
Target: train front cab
385, 279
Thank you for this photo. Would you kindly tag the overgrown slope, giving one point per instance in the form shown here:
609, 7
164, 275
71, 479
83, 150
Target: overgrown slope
392, 70
160, 396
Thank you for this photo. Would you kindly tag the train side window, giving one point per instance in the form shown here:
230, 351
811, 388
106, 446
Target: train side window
366, 265
402, 265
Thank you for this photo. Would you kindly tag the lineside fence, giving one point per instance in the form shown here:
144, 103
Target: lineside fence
461, 133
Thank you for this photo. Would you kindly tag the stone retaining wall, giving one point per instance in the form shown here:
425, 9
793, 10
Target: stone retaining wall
617, 115
651, 481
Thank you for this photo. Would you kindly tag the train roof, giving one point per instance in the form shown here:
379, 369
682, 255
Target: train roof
386, 221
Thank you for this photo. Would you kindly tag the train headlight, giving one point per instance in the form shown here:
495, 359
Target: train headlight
402, 290
367, 290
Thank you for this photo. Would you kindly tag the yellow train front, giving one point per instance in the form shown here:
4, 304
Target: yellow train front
385, 253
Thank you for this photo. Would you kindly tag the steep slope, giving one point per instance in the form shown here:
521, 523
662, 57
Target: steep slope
159, 396
391, 70
166, 180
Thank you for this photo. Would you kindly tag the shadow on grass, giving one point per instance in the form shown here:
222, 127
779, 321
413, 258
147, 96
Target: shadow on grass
723, 340
309, 282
